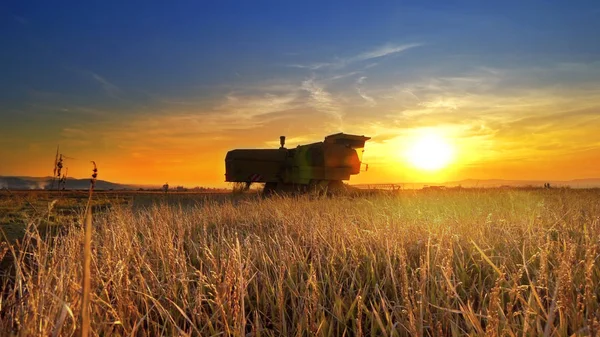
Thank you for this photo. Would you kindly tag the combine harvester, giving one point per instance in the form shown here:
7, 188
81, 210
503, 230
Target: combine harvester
318, 167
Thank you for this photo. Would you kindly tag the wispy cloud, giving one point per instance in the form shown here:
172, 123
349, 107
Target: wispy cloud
411, 94
321, 100
382, 51
246, 107
340, 76
375, 53
361, 92
440, 104
111, 89
311, 66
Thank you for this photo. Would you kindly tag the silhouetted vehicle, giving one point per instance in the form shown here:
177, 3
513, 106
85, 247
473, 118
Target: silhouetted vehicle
321, 166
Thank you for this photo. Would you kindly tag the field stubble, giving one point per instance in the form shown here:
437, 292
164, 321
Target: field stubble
480, 262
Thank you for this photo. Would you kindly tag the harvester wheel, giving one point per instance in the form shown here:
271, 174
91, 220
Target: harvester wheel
269, 188
317, 187
336, 187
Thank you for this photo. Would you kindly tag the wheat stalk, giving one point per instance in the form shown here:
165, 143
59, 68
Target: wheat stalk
87, 256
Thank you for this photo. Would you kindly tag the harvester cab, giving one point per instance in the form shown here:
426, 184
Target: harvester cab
352, 141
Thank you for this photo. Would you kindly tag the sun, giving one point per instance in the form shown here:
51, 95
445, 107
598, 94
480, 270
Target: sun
430, 151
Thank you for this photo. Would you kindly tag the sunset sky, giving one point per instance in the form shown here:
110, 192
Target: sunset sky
158, 92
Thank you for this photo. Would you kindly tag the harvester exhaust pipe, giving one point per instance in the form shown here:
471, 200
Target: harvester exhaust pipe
282, 141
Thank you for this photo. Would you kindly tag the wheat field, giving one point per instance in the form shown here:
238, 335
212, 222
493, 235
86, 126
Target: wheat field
441, 263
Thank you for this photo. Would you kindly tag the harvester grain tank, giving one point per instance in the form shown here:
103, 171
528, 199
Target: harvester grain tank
321, 166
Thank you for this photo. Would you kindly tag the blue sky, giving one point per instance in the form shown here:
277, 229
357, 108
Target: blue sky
142, 80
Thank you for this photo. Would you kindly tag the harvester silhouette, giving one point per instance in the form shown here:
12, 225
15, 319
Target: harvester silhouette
319, 167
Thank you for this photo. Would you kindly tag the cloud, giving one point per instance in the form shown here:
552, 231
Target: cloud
111, 89
378, 52
361, 92
440, 104
312, 66
493, 114
321, 100
73, 132
245, 107
382, 51
341, 76
412, 94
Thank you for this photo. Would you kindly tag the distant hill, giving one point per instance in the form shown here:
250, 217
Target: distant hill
576, 183
30, 183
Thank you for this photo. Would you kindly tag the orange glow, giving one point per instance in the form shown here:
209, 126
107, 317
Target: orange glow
429, 151
420, 144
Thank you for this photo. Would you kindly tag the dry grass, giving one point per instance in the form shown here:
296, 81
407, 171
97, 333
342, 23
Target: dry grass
480, 262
